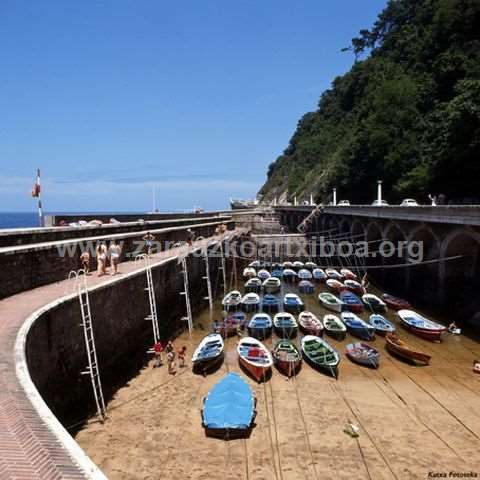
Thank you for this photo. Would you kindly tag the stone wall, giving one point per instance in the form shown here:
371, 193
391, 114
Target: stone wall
30, 266
28, 236
55, 344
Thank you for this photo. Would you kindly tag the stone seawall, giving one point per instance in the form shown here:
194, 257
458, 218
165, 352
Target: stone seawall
30, 266
26, 236
55, 344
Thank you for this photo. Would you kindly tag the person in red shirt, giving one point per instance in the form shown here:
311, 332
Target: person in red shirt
157, 350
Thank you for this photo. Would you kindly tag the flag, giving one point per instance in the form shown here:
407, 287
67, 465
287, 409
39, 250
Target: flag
36, 186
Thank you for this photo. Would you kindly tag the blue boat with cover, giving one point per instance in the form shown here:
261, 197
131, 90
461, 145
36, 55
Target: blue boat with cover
229, 408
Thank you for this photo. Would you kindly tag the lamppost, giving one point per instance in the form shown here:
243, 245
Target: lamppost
379, 193
334, 196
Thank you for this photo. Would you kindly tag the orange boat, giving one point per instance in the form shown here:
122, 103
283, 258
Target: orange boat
398, 347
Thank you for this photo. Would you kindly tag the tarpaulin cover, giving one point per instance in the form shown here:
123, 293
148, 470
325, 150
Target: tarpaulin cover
229, 404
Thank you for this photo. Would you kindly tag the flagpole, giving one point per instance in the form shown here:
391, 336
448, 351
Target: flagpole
40, 213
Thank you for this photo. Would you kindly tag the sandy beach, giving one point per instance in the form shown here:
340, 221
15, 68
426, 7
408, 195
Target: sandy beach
415, 422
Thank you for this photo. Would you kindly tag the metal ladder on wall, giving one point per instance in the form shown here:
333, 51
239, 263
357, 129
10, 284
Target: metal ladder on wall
222, 268
92, 368
185, 293
153, 317
209, 284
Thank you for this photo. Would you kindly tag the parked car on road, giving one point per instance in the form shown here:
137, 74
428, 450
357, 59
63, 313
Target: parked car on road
381, 203
343, 203
409, 202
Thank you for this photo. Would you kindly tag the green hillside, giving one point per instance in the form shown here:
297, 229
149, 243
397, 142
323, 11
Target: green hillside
407, 112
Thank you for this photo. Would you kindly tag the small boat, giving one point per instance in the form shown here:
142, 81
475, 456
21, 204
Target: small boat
253, 285
310, 265
229, 408
254, 357
335, 285
250, 302
330, 301
305, 286
334, 327
292, 302
363, 354
381, 324
209, 353
260, 326
348, 274
287, 357
357, 327
304, 274
287, 265
270, 302
249, 272
297, 265
332, 273
319, 275
374, 303
285, 325
319, 353
310, 324
421, 326
354, 286
398, 347
277, 273
396, 303
231, 300
263, 274
255, 264
289, 275
240, 317
271, 285
227, 327
351, 301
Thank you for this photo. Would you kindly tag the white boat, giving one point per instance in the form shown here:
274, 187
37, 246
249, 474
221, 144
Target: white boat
287, 265
332, 273
374, 303
310, 265
209, 352
304, 274
310, 324
298, 265
334, 327
346, 273
271, 285
289, 275
421, 326
330, 301
285, 325
250, 301
292, 302
231, 300
253, 284
249, 272
255, 264
319, 275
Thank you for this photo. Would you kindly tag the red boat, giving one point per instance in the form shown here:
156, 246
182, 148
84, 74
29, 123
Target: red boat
421, 326
354, 287
335, 285
348, 274
395, 303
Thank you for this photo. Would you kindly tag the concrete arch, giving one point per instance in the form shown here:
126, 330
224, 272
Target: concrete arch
422, 232
392, 226
373, 231
461, 277
393, 251
344, 225
357, 228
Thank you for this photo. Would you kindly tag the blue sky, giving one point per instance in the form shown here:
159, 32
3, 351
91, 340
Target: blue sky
111, 97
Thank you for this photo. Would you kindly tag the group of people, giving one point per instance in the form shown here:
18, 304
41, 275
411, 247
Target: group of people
169, 349
104, 255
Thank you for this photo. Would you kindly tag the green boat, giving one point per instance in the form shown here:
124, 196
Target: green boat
334, 327
331, 302
320, 354
287, 357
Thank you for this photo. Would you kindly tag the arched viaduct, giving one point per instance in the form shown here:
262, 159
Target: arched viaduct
441, 250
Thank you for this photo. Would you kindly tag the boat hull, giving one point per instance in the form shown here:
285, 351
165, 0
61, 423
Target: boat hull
258, 372
336, 334
205, 364
362, 332
371, 361
311, 330
286, 332
334, 307
427, 334
407, 354
259, 333
288, 368
249, 307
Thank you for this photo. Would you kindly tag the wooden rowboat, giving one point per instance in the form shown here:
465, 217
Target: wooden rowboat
334, 327
351, 301
330, 301
320, 354
348, 274
354, 286
285, 325
395, 303
209, 353
335, 285
421, 326
310, 324
398, 347
254, 358
287, 357
363, 354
